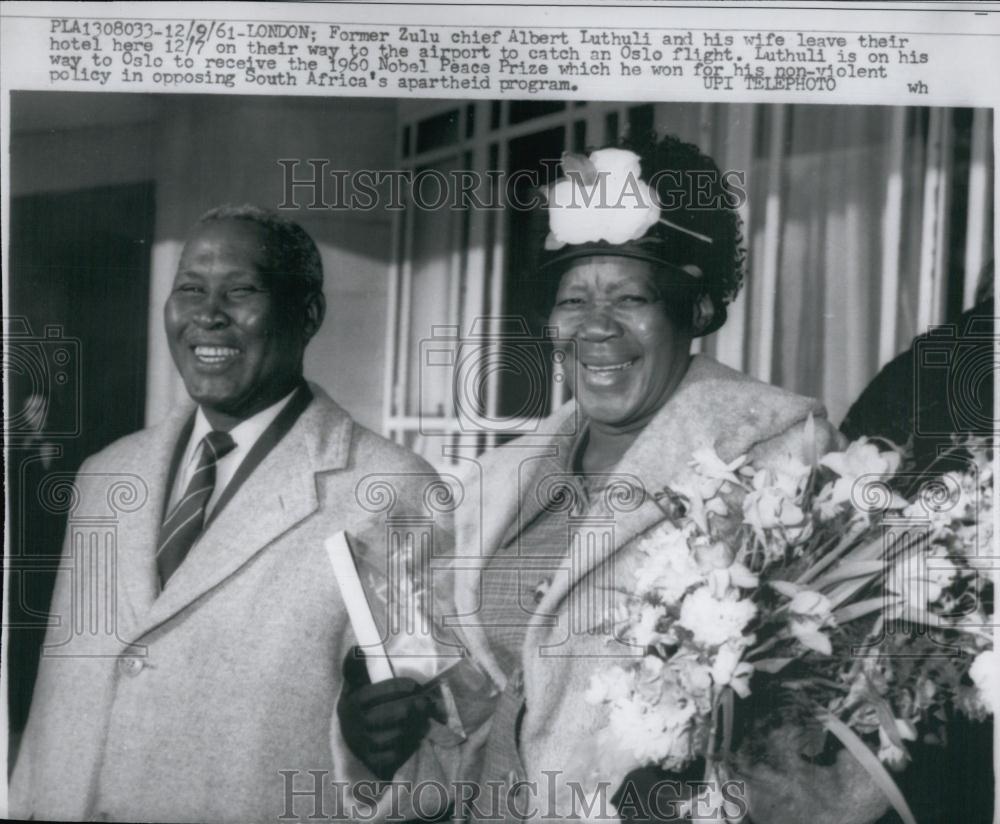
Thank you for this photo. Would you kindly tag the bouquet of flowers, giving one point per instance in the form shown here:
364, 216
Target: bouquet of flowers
840, 596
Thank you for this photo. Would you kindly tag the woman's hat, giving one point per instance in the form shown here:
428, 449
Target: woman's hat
604, 207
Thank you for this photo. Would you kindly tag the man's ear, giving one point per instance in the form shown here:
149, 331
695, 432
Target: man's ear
315, 311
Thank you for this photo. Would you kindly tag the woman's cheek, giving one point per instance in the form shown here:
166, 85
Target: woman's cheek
563, 324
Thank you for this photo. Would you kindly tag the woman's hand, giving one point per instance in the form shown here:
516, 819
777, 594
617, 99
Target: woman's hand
649, 794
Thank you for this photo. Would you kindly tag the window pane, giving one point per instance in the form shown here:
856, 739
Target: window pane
406, 141
521, 110
611, 127
524, 357
640, 119
433, 243
437, 132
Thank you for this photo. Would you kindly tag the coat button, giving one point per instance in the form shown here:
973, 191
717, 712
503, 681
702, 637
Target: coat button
130, 665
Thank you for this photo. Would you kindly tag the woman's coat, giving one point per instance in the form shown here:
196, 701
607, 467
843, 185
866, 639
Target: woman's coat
713, 406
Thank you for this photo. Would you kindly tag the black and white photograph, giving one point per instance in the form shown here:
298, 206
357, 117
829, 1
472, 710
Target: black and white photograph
495, 453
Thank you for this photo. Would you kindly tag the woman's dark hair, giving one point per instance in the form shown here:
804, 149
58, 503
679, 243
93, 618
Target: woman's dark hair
695, 196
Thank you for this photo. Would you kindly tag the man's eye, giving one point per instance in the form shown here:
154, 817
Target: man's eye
188, 288
569, 302
243, 291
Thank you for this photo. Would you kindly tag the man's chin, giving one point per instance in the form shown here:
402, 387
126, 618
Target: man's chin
212, 394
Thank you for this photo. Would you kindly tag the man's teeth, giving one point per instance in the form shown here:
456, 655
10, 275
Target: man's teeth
615, 367
215, 354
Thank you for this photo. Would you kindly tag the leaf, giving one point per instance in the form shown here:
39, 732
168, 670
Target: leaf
808, 602
809, 435
813, 638
862, 553
786, 588
580, 168
848, 570
846, 590
860, 609
879, 774
829, 557
771, 665
727, 722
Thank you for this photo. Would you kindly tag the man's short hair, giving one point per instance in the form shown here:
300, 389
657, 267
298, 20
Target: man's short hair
291, 252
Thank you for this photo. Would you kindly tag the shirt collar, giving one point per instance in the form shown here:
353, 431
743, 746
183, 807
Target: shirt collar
245, 433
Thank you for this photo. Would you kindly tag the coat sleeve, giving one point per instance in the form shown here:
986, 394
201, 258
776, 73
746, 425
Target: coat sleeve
23, 796
803, 441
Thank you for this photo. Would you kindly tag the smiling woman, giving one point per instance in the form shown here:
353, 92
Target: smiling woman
643, 254
633, 272
628, 354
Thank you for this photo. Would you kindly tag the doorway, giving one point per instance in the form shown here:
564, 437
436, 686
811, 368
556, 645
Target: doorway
75, 356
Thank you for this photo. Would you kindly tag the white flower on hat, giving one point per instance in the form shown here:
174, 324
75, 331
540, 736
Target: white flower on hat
602, 198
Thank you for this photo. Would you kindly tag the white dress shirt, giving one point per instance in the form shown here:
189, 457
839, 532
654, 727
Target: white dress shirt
245, 434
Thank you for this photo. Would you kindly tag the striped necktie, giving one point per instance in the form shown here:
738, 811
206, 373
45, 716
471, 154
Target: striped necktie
183, 525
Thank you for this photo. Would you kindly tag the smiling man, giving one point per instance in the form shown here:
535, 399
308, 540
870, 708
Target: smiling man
211, 687
236, 331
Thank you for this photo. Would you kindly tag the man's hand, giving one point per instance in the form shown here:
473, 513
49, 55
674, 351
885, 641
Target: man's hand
383, 723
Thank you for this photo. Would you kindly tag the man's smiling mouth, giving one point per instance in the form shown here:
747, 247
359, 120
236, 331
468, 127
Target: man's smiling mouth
215, 354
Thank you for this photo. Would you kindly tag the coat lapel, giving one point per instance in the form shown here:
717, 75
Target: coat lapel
713, 406
279, 494
491, 518
138, 530
538, 481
